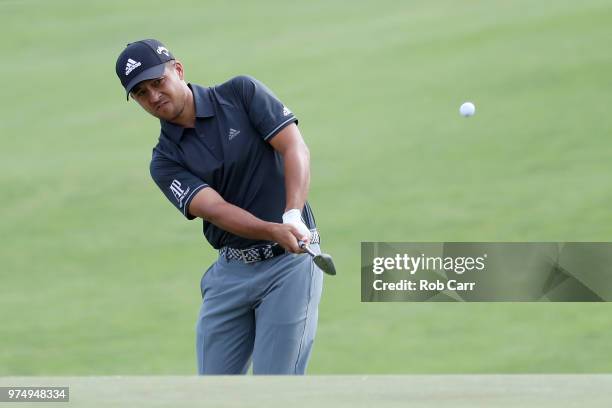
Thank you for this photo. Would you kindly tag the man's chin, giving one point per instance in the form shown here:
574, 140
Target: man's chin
164, 114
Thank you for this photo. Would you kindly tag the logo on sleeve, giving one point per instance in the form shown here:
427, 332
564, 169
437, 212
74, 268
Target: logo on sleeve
286, 111
178, 191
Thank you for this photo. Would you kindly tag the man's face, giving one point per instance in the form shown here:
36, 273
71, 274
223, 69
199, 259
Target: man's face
164, 97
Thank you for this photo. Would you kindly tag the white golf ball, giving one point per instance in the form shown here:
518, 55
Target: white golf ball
467, 109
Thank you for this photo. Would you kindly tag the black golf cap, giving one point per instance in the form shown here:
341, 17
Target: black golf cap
141, 60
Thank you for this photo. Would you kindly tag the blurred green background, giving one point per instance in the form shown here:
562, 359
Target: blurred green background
100, 275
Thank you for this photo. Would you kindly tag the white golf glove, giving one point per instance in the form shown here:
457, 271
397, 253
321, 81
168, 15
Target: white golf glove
294, 217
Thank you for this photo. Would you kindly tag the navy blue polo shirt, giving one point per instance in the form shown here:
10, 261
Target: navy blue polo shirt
229, 151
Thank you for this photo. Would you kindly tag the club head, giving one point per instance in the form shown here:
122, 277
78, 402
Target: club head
325, 263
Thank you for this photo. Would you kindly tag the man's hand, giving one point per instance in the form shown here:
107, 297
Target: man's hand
294, 217
287, 236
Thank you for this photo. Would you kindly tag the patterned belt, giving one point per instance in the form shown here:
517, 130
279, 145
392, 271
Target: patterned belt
262, 252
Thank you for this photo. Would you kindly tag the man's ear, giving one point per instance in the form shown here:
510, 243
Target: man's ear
178, 66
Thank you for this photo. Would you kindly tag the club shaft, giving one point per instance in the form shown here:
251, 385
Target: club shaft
307, 249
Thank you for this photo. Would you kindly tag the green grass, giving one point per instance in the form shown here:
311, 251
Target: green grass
363, 391
100, 275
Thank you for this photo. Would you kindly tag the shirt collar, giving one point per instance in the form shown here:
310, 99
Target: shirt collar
203, 101
204, 108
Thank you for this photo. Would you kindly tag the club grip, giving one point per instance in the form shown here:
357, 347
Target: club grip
305, 247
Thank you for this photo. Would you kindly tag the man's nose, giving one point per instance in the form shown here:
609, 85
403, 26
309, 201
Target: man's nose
154, 95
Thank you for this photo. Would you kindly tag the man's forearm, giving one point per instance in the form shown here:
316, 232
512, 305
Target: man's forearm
297, 176
207, 204
239, 222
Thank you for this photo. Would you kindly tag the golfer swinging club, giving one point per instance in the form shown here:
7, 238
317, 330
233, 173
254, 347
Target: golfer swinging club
232, 155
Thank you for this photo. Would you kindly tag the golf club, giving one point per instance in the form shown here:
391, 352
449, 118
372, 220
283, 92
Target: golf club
323, 261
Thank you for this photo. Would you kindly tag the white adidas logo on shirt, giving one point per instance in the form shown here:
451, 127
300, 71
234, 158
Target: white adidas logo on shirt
233, 133
131, 65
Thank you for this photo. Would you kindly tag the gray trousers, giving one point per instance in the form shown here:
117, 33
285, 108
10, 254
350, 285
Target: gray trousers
265, 312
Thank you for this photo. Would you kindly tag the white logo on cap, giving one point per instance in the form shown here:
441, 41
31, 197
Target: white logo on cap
131, 65
163, 50
286, 111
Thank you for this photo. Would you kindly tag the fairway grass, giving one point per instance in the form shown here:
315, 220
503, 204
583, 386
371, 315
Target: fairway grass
99, 274
452, 391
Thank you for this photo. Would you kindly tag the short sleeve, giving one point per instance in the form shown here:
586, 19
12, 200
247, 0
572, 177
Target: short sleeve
266, 112
177, 183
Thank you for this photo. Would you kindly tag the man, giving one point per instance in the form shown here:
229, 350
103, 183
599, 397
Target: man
232, 155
